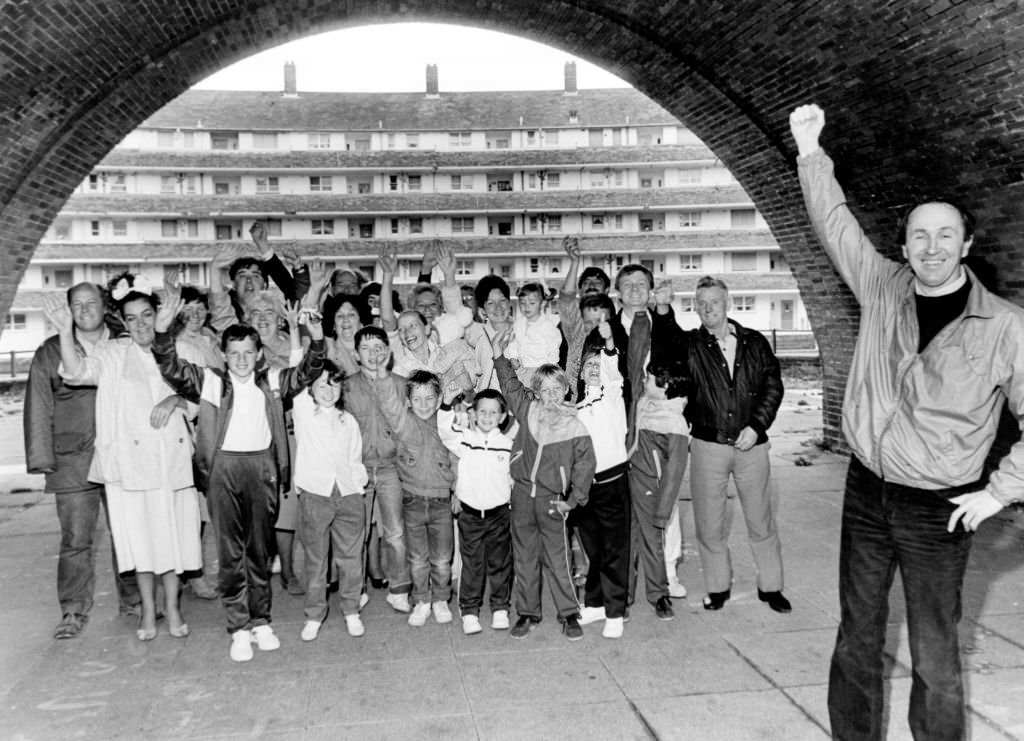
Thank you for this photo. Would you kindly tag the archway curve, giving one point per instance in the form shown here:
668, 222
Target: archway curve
79, 82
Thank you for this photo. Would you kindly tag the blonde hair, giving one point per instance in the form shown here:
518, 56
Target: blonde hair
549, 370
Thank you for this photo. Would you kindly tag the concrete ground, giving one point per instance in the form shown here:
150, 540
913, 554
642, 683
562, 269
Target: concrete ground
742, 673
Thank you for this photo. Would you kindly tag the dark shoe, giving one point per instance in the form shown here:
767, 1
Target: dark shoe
70, 626
717, 600
523, 626
571, 628
775, 601
663, 609
378, 583
134, 611
294, 587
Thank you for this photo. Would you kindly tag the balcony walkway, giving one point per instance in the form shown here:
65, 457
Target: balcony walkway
742, 673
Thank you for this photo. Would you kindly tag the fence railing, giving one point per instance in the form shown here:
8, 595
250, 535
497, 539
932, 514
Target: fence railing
15, 363
792, 341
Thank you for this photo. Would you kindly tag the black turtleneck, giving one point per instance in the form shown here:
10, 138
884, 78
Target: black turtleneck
935, 312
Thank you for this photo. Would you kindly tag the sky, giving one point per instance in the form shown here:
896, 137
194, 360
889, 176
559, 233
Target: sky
467, 59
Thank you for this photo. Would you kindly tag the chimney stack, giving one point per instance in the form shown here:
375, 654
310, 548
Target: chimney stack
570, 79
432, 89
290, 88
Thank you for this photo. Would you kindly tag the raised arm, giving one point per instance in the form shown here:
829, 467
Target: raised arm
290, 285
512, 388
75, 369
568, 303
294, 380
429, 262
451, 295
388, 262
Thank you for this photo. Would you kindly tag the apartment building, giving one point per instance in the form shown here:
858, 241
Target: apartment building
502, 176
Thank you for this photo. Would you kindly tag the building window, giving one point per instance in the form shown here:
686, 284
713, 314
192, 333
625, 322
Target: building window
744, 261
62, 230
366, 231
118, 182
778, 263
504, 228
273, 227
267, 184
394, 226
169, 228
742, 218
649, 264
94, 228
464, 267
534, 265
416, 225
597, 221
691, 262
188, 139
618, 221
119, 227
462, 225
460, 139
165, 139
192, 226
222, 232
322, 227
392, 182
686, 305
531, 138
391, 140
63, 277
224, 140
743, 303
690, 176
15, 321
645, 182
534, 223
264, 140
168, 184
647, 225
689, 219
620, 178
364, 188
221, 189
505, 270
554, 266
554, 222
554, 180
94, 182
598, 180
191, 184
462, 182
412, 141
321, 184
415, 182
319, 140
551, 138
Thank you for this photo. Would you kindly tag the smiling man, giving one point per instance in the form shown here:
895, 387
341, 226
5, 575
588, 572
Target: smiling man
936, 359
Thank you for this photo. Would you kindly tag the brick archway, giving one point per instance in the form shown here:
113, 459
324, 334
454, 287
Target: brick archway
922, 96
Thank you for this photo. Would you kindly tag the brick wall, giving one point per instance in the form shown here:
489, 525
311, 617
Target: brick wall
922, 97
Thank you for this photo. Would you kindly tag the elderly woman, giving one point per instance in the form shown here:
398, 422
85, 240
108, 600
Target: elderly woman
265, 313
143, 452
344, 315
195, 340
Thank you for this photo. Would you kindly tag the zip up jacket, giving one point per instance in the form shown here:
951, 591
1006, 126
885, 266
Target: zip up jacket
59, 423
424, 463
483, 481
212, 389
720, 405
658, 450
380, 446
552, 450
927, 419
603, 414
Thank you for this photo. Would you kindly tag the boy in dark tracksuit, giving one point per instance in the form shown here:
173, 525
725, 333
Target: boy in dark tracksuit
553, 467
242, 455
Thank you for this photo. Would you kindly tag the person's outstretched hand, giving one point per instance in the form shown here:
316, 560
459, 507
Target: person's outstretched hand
806, 123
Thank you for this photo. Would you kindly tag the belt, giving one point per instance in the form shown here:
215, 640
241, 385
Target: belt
611, 474
482, 513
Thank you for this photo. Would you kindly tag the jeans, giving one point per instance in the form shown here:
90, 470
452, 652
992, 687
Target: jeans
385, 494
336, 522
430, 540
886, 526
78, 512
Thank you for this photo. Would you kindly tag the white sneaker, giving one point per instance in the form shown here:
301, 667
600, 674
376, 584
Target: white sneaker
241, 645
470, 624
420, 613
442, 614
675, 587
354, 623
590, 615
612, 628
499, 620
400, 602
275, 565
364, 600
264, 638
310, 630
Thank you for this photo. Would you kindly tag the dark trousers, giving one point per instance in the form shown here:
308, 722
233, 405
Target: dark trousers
243, 502
485, 543
886, 526
78, 512
604, 531
648, 540
540, 542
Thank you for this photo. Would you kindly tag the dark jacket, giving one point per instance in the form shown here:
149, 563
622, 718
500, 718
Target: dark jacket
667, 340
720, 406
215, 404
59, 423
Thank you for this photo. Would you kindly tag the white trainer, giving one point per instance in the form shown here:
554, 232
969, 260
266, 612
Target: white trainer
354, 623
264, 638
675, 587
310, 630
612, 628
442, 614
399, 602
364, 600
241, 645
471, 624
499, 620
590, 615
420, 613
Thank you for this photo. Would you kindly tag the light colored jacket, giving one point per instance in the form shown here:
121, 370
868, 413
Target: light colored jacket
924, 420
483, 480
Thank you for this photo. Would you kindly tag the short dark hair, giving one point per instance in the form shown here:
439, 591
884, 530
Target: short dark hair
334, 375
598, 301
487, 284
966, 217
532, 288
190, 294
594, 272
371, 332
237, 333
373, 289
335, 302
634, 268
246, 262
151, 298
670, 374
422, 378
491, 394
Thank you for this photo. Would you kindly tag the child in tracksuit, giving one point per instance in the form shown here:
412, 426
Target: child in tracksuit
483, 489
553, 467
603, 522
425, 470
657, 455
242, 452
331, 479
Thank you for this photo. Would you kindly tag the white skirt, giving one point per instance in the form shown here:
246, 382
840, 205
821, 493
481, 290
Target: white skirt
156, 530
